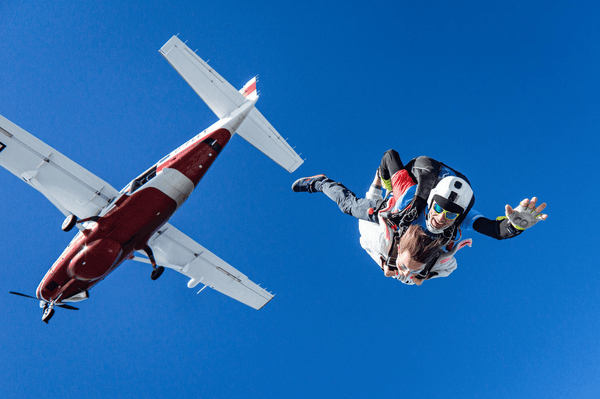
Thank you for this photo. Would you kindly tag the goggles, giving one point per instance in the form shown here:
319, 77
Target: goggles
448, 215
402, 267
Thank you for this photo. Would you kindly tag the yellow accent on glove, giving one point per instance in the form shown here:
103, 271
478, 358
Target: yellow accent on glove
515, 226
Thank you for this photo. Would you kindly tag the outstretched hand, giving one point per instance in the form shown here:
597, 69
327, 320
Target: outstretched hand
526, 214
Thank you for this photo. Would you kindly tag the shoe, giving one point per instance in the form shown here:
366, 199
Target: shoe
307, 184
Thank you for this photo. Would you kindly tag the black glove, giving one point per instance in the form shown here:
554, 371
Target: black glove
416, 206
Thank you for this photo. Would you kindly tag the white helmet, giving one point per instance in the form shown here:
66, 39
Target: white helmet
451, 193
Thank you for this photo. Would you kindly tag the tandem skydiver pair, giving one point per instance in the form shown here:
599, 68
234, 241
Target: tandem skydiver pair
427, 215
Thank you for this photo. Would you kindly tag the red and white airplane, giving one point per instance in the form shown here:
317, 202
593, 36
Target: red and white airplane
115, 224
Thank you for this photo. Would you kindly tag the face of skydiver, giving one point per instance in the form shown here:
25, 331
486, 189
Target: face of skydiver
448, 199
441, 218
407, 265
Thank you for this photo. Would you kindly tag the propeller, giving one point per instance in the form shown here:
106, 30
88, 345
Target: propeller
60, 305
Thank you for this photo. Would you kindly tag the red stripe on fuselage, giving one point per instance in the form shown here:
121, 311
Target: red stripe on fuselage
195, 160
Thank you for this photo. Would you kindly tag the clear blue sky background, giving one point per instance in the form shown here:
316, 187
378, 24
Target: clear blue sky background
508, 93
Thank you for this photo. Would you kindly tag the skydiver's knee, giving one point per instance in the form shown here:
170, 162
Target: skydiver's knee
346, 207
392, 153
390, 163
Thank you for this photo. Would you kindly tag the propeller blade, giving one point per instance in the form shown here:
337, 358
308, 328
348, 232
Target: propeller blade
18, 293
64, 306
60, 305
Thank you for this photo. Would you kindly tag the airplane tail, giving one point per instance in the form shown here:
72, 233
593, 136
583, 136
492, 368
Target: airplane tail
249, 90
223, 99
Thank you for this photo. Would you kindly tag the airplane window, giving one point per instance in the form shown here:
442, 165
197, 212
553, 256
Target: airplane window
164, 159
142, 179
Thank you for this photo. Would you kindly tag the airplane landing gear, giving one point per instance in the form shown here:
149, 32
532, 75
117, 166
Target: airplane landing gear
156, 271
69, 223
48, 313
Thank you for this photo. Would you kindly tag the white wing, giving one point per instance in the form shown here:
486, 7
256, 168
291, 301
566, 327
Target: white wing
175, 250
259, 132
222, 98
69, 186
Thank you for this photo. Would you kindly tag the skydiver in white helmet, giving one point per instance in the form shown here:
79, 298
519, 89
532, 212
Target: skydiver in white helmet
427, 193
443, 199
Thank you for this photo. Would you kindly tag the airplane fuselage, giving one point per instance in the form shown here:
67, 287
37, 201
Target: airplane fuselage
126, 225
119, 225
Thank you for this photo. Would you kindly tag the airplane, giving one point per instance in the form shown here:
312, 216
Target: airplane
123, 225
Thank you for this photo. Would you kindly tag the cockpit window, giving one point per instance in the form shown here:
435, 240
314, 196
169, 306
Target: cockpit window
164, 159
141, 180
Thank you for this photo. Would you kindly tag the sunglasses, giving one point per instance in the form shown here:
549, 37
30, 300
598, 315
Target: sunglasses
448, 215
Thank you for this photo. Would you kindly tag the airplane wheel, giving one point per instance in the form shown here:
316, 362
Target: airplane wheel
156, 273
48, 313
69, 223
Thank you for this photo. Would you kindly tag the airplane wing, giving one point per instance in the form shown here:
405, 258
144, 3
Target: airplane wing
222, 98
69, 186
175, 250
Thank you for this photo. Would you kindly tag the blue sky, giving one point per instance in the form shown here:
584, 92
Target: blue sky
507, 93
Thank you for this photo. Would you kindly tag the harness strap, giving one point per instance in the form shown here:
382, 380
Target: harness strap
428, 266
397, 224
392, 255
448, 235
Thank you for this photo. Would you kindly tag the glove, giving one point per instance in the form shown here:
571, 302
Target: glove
523, 217
416, 207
